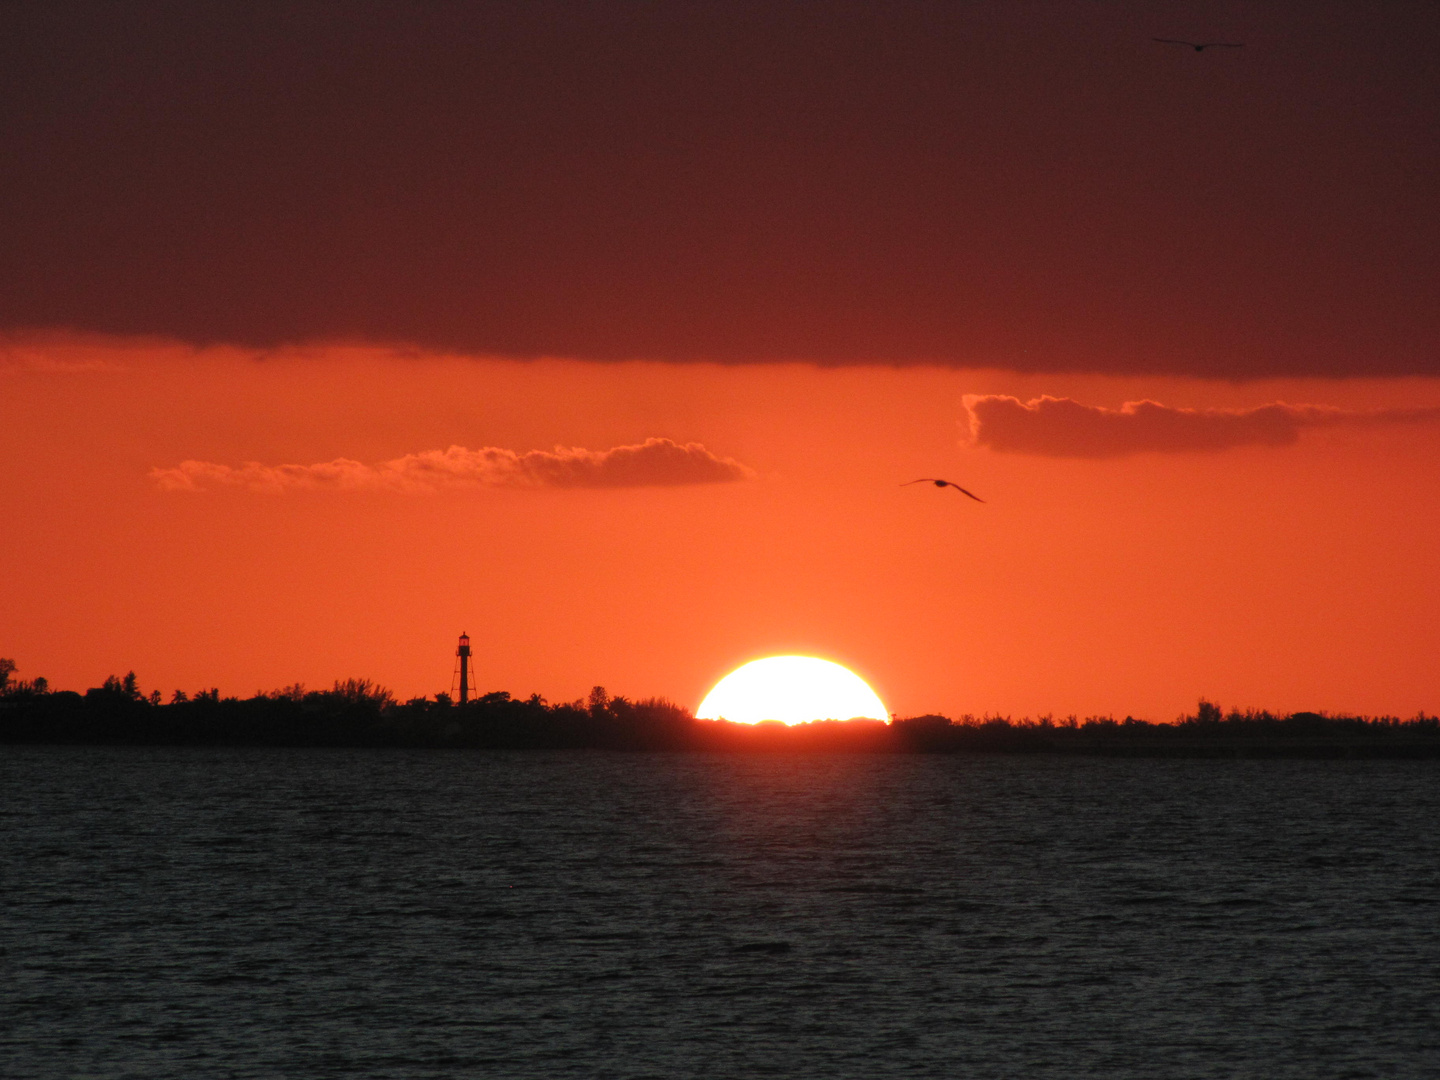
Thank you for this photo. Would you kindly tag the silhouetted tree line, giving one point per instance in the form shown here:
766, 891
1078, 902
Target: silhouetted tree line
1208, 732
358, 712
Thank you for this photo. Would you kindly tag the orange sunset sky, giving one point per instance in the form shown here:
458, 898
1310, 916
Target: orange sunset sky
609, 334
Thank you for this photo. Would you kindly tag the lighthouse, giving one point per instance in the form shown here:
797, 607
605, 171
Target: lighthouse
463, 652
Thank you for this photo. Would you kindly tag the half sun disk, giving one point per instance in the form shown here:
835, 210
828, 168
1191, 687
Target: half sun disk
793, 690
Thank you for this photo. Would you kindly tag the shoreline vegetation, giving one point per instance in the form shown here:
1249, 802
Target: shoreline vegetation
359, 713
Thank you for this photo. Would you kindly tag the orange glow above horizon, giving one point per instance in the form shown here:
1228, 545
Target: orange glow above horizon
329, 528
793, 690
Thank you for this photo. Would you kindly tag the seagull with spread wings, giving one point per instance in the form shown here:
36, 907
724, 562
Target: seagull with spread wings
942, 484
1201, 46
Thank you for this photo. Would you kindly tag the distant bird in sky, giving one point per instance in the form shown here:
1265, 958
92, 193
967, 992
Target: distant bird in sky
941, 484
1201, 46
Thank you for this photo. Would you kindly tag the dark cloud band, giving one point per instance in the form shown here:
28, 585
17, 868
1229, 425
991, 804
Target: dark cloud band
929, 182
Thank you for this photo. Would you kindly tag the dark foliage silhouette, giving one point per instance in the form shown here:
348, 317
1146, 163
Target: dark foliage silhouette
19, 689
358, 712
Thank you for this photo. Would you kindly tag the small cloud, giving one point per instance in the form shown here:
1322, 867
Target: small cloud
1062, 427
653, 463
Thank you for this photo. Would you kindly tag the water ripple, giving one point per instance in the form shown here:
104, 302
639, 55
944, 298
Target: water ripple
258, 913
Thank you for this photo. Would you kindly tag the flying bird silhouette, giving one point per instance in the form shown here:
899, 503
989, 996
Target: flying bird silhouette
1201, 46
942, 484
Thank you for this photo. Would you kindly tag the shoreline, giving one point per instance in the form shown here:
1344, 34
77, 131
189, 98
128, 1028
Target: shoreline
497, 721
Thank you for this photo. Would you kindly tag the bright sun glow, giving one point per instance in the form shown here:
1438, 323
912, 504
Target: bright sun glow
792, 689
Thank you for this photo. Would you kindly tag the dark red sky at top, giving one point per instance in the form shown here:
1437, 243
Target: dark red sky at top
1032, 186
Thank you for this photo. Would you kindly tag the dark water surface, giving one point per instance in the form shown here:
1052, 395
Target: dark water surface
268, 913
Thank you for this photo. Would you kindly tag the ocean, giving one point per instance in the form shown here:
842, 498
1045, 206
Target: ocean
239, 913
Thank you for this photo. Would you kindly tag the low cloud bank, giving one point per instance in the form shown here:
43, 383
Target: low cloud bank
1062, 427
653, 463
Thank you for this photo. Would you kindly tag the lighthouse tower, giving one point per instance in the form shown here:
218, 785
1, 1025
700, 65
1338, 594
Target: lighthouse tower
463, 667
